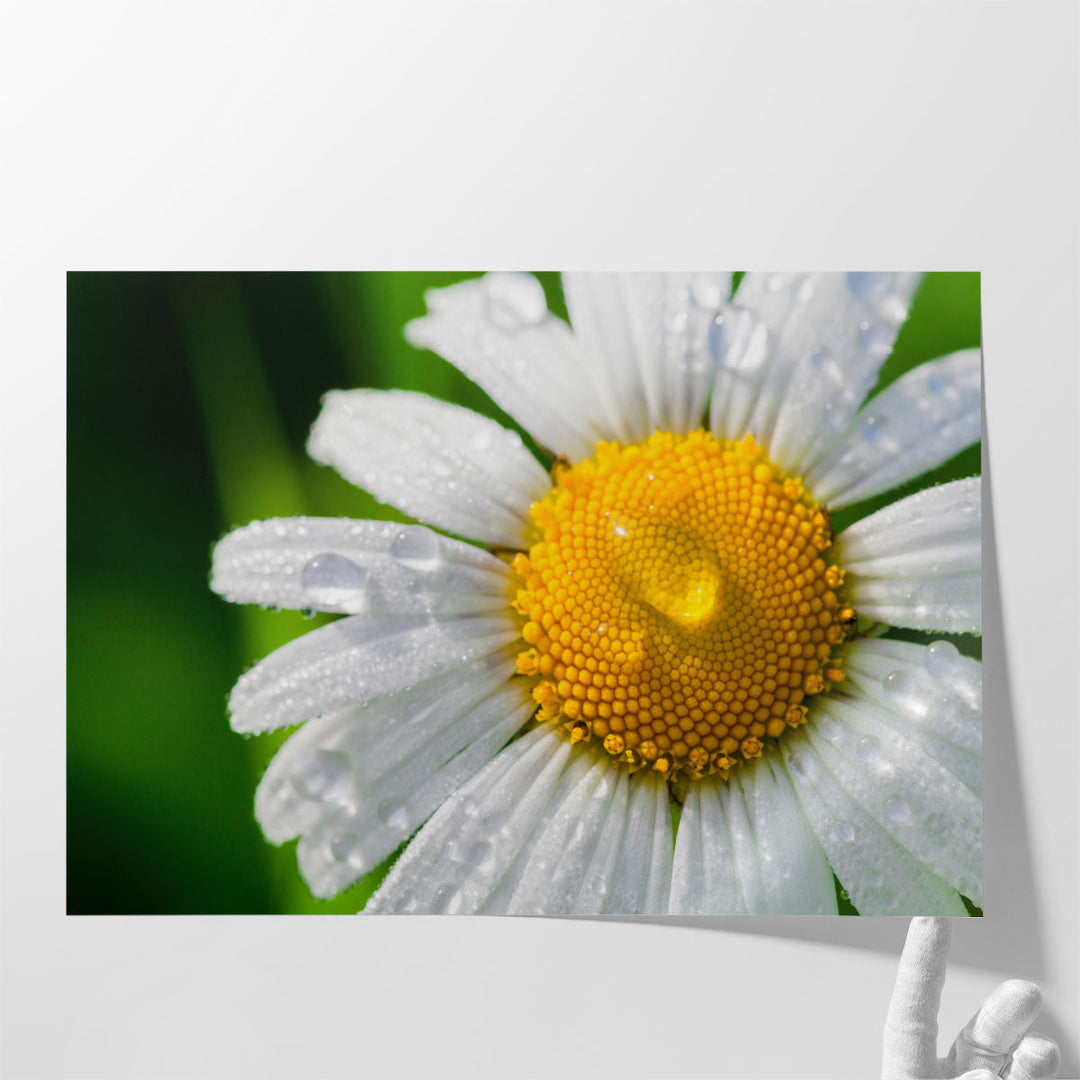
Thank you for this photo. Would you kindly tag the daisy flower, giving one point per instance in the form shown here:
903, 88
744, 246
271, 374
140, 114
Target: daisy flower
646, 677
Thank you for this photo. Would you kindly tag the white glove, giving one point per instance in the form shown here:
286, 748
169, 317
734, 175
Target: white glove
994, 1043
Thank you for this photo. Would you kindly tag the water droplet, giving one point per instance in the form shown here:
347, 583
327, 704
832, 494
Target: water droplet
334, 582
873, 427
834, 416
801, 763
514, 301
416, 547
907, 692
394, 813
346, 847
875, 339
530, 908
481, 439
941, 659
940, 386
845, 831
820, 358
829, 727
439, 465
896, 810
322, 775
469, 806
447, 900
968, 506
868, 750
705, 292
477, 853
738, 341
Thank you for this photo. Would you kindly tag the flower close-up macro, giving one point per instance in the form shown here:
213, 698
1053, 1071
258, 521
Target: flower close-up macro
640, 655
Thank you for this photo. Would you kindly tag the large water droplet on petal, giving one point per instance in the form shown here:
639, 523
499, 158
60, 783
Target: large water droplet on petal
334, 582
907, 693
514, 301
416, 547
941, 659
896, 810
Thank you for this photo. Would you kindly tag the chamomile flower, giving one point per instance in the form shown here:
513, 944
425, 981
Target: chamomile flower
662, 619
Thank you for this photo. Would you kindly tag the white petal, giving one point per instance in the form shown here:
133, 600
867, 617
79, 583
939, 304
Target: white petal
358, 659
640, 881
749, 849
355, 567
918, 562
547, 873
459, 857
357, 783
498, 331
534, 833
916, 800
931, 693
376, 738
797, 354
647, 337
881, 877
357, 837
915, 424
596, 880
897, 825
435, 461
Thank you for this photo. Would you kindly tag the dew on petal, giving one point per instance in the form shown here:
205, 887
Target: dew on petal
347, 847
875, 339
739, 341
941, 659
322, 775
416, 548
868, 751
447, 900
394, 813
896, 810
334, 582
829, 727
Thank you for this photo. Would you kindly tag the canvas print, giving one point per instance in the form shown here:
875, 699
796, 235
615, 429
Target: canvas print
652, 593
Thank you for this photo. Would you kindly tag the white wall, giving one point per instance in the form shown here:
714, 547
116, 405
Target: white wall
786, 136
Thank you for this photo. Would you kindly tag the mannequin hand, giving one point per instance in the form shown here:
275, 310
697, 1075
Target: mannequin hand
994, 1043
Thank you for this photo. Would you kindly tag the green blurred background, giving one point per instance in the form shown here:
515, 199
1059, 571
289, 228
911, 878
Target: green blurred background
189, 401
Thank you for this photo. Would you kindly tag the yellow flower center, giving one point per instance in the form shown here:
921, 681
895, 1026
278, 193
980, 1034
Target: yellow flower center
676, 602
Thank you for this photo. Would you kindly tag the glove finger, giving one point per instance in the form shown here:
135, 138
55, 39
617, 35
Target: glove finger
911, 1027
990, 1036
1036, 1058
